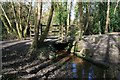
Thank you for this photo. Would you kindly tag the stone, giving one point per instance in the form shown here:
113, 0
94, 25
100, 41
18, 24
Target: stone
83, 48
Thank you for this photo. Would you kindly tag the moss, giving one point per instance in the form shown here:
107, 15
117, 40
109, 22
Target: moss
118, 39
8, 36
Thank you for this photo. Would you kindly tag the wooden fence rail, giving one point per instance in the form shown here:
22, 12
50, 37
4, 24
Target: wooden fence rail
55, 30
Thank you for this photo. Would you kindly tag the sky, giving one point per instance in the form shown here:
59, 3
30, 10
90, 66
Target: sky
47, 6
72, 11
60, 0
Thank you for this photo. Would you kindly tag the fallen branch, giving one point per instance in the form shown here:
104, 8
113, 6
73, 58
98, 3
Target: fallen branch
48, 69
33, 68
53, 67
36, 68
15, 63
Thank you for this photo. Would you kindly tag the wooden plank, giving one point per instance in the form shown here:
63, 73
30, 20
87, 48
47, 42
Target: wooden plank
55, 31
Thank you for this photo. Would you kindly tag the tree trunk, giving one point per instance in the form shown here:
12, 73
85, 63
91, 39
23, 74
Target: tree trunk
6, 26
39, 14
80, 20
28, 20
8, 20
107, 18
19, 20
44, 35
116, 6
86, 21
69, 18
66, 27
16, 21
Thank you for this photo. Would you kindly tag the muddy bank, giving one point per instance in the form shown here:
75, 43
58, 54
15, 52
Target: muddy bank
104, 48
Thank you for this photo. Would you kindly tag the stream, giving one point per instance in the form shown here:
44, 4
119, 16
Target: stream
78, 68
74, 68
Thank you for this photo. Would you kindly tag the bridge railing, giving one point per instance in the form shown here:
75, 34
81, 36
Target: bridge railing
55, 30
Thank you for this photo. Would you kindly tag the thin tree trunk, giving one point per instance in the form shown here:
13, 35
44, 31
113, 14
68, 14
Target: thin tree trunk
17, 24
44, 35
70, 13
69, 17
19, 10
28, 20
39, 14
6, 26
116, 6
107, 18
81, 19
66, 27
60, 20
87, 17
8, 20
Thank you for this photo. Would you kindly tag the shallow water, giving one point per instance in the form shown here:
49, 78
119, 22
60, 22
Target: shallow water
82, 69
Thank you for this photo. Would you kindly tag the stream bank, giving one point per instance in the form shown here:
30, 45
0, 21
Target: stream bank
102, 48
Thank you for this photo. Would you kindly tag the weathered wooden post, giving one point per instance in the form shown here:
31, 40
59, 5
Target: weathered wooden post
61, 33
99, 28
32, 33
41, 29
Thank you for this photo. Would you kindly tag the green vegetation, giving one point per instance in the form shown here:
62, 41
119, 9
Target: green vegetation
17, 18
59, 32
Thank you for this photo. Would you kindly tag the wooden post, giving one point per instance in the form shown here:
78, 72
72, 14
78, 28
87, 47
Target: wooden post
99, 28
41, 28
61, 32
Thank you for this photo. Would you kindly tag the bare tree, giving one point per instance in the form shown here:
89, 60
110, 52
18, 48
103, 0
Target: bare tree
69, 18
116, 6
28, 19
44, 35
8, 20
107, 18
39, 14
80, 19
16, 20
17, 10
87, 16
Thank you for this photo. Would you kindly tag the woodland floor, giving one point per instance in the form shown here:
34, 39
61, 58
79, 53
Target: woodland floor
104, 48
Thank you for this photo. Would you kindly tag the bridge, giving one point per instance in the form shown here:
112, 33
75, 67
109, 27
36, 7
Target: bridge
56, 32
